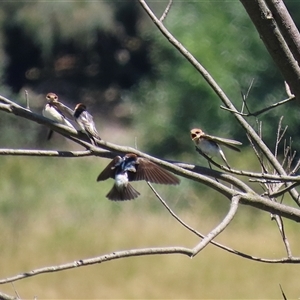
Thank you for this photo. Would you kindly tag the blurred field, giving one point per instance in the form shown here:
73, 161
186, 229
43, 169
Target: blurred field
53, 211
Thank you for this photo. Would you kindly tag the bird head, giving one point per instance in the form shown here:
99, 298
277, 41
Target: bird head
51, 97
196, 134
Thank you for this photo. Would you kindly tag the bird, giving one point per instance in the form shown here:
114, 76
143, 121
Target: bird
86, 122
210, 145
133, 168
57, 112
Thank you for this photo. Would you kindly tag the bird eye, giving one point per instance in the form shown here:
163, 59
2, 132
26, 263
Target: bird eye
193, 135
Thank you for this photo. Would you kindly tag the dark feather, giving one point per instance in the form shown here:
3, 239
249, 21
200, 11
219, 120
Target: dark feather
149, 171
109, 171
122, 194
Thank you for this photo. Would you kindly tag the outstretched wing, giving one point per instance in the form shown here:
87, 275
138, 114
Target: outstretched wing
149, 171
64, 110
109, 171
226, 142
89, 124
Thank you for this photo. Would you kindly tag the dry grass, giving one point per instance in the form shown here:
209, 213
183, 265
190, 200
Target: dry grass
53, 212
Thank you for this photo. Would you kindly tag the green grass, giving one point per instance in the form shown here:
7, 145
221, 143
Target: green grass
53, 211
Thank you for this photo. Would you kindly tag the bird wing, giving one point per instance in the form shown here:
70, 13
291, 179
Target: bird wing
226, 142
66, 111
109, 171
149, 171
89, 125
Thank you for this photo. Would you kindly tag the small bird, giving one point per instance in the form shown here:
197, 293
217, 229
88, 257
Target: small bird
209, 144
132, 168
86, 122
57, 112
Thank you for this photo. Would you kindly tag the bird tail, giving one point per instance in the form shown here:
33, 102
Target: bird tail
223, 157
121, 194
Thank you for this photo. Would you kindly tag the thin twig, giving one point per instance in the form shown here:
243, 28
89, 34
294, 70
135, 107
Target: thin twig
245, 97
172, 212
261, 111
52, 153
165, 13
27, 100
16, 292
283, 191
286, 243
99, 259
282, 293
278, 136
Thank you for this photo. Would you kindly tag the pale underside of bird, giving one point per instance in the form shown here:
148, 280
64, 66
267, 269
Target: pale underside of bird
86, 122
133, 168
210, 145
57, 112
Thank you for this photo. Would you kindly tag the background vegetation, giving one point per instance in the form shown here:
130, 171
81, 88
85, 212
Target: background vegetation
110, 56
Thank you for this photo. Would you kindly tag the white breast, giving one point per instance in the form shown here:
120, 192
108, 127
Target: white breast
51, 113
121, 180
210, 148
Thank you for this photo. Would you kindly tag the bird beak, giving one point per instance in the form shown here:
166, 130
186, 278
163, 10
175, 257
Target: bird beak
193, 136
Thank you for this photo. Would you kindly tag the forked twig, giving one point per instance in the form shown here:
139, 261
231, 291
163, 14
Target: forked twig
216, 231
261, 111
165, 13
283, 235
177, 218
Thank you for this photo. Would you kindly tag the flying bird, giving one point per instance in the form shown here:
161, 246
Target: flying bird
133, 168
86, 122
57, 112
210, 145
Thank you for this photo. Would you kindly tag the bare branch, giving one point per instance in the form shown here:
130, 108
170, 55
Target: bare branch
261, 111
275, 43
7, 297
219, 92
288, 90
282, 293
280, 225
98, 260
165, 13
172, 213
286, 26
248, 197
283, 191
225, 222
27, 100
52, 153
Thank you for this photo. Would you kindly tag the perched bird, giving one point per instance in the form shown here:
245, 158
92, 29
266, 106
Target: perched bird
210, 145
56, 111
86, 122
132, 168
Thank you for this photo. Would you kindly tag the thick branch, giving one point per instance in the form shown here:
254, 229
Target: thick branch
276, 45
286, 25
